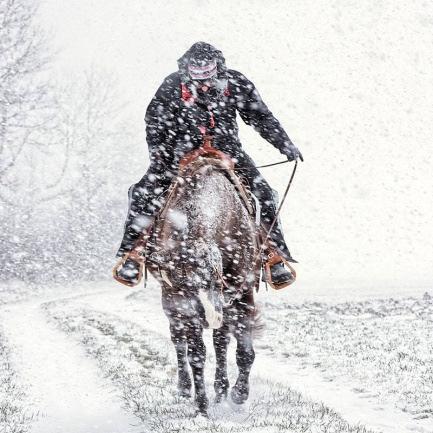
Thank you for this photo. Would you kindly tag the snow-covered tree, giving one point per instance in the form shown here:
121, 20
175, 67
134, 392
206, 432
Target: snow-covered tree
59, 149
90, 127
24, 98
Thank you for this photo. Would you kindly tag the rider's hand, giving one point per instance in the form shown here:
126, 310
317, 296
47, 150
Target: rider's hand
292, 152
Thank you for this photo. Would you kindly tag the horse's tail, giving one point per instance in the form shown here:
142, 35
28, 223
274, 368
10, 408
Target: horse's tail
257, 323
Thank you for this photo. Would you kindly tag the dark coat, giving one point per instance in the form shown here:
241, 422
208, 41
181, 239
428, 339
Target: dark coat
173, 118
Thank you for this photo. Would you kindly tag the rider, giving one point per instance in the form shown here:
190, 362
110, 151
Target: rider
203, 96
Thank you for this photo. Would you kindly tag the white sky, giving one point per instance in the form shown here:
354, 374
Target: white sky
350, 81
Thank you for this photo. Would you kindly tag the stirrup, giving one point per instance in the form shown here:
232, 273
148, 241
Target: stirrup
136, 256
272, 259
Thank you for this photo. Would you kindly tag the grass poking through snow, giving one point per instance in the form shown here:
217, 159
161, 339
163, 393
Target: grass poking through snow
14, 417
382, 348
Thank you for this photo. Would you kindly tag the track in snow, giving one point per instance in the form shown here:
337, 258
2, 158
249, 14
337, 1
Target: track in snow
62, 383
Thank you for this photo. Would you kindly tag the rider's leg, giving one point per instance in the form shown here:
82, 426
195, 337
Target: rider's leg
145, 199
261, 189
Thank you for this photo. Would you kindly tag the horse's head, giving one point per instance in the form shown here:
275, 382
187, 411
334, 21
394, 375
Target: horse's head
190, 267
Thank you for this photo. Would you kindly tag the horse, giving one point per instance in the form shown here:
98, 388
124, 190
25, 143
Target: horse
205, 254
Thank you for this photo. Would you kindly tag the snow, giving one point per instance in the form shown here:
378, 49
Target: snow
355, 409
63, 385
123, 340
335, 391
272, 368
349, 343
70, 386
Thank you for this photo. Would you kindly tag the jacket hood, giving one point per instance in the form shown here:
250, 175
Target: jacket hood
202, 49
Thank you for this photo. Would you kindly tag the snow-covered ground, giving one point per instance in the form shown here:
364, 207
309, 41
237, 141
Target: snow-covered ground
99, 358
64, 386
14, 415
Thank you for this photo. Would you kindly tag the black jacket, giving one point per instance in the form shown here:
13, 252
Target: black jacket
173, 118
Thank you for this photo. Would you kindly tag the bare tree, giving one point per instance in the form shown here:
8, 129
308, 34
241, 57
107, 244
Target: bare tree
59, 152
95, 135
91, 124
71, 230
24, 99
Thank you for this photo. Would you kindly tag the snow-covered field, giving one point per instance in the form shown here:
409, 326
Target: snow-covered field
381, 348
99, 358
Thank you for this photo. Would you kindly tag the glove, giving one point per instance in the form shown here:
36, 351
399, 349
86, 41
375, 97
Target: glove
292, 152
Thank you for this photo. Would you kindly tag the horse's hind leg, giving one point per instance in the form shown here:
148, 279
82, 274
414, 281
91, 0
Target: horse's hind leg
179, 340
196, 358
221, 340
244, 359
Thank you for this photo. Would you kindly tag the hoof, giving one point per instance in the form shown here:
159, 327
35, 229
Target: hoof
219, 397
239, 396
221, 387
202, 412
184, 392
202, 404
184, 386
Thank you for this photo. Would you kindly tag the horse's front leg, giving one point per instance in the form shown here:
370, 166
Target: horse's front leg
196, 358
221, 341
244, 358
179, 340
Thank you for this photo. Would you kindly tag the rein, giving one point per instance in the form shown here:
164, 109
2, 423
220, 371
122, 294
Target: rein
263, 166
285, 192
282, 201
239, 291
262, 247
257, 166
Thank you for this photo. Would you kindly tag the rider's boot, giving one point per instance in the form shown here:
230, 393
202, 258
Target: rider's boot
129, 269
129, 272
280, 275
277, 258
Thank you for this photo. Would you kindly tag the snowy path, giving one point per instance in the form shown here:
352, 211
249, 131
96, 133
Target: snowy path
63, 385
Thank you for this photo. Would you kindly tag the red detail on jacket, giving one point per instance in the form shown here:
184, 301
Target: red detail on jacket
188, 97
212, 119
186, 94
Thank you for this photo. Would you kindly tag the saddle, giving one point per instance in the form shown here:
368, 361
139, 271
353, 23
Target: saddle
190, 164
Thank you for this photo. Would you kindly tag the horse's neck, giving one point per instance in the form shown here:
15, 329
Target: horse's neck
209, 204
203, 209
